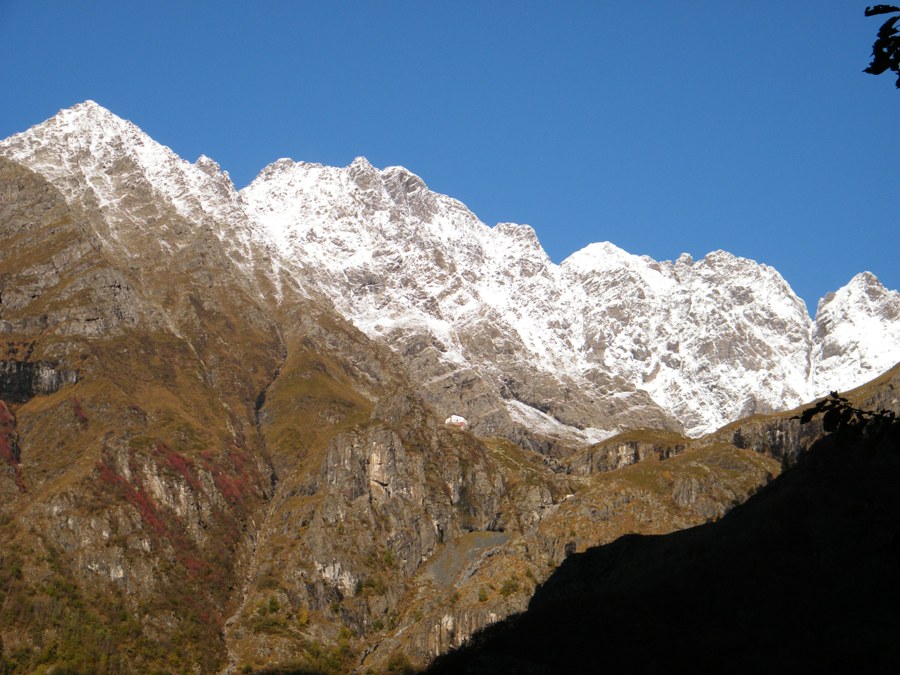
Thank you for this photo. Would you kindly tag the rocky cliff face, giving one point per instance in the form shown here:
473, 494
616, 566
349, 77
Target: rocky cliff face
221, 434
579, 349
802, 573
420, 272
134, 472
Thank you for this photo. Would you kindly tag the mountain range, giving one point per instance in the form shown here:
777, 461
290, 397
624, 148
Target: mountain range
221, 410
488, 325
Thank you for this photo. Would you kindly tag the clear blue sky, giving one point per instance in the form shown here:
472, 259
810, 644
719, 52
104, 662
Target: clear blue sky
660, 126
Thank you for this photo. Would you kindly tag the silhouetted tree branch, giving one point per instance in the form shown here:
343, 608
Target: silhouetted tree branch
839, 415
886, 49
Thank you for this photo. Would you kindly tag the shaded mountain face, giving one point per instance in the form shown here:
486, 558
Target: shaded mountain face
221, 437
803, 575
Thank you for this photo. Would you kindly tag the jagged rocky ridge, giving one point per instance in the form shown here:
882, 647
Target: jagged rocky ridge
488, 326
207, 465
710, 341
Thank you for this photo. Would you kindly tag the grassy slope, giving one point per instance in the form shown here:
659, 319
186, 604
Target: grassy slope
141, 479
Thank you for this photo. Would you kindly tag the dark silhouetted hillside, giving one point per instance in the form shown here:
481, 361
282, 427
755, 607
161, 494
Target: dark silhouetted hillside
806, 574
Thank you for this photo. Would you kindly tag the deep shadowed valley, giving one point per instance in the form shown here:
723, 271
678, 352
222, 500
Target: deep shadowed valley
802, 576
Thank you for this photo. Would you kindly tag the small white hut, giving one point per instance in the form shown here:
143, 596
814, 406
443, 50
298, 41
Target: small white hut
457, 421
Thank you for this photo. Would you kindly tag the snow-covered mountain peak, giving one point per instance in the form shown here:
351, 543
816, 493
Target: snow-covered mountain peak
864, 295
606, 270
403, 184
488, 325
282, 173
723, 263
75, 136
280, 165
87, 116
364, 208
599, 256
360, 163
720, 256
863, 292
82, 124
210, 167
141, 194
857, 333
710, 340
96, 158
868, 284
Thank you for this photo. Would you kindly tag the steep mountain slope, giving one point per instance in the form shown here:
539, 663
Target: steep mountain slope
803, 575
710, 341
554, 356
180, 494
137, 468
109, 166
857, 331
221, 434
418, 270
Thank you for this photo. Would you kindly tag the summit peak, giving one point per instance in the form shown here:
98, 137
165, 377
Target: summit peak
361, 162
86, 125
865, 279
88, 113
90, 104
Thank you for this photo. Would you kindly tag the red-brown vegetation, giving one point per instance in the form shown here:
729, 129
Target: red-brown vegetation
135, 496
229, 471
9, 444
180, 464
207, 567
79, 414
